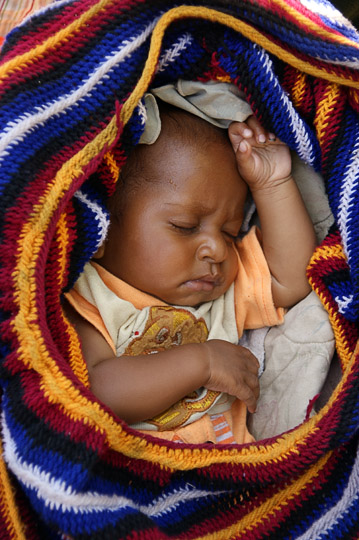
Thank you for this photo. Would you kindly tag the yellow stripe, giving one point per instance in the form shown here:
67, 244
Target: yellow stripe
53, 41
62, 239
324, 111
111, 163
342, 346
14, 526
327, 252
76, 360
298, 89
353, 98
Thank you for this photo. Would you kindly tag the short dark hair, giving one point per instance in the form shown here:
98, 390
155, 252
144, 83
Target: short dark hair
176, 124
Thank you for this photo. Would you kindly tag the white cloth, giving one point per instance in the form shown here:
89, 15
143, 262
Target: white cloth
298, 356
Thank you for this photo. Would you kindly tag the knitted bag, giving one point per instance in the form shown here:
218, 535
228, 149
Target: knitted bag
72, 79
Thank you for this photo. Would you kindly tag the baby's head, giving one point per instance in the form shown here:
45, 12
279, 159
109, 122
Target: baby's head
176, 211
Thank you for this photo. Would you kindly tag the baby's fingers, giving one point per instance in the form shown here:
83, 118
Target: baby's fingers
242, 141
238, 132
248, 389
260, 134
249, 392
251, 131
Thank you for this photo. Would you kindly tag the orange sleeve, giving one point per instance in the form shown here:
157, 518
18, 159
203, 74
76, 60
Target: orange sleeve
90, 313
254, 306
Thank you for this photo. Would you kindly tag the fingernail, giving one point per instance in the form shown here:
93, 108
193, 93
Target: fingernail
261, 138
243, 146
247, 133
271, 137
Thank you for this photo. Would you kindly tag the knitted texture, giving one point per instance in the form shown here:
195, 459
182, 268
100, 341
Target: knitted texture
72, 80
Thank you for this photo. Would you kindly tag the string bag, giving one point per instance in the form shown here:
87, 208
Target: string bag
72, 82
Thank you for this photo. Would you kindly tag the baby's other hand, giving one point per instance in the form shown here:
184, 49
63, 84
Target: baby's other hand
233, 369
263, 161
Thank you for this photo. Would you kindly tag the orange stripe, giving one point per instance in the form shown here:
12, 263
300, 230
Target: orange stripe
222, 428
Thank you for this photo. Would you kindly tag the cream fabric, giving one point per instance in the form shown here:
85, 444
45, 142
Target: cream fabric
298, 357
217, 103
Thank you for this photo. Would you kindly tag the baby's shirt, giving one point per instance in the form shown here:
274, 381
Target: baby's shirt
133, 322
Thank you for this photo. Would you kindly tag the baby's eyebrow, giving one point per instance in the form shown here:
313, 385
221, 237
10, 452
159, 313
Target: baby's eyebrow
192, 207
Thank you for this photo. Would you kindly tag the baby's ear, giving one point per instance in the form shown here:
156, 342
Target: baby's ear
100, 252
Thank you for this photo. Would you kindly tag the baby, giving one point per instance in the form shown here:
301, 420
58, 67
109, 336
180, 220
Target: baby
173, 272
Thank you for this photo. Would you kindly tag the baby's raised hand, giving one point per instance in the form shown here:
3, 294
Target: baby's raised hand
234, 370
263, 161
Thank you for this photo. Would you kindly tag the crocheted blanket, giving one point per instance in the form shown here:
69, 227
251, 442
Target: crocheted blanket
72, 78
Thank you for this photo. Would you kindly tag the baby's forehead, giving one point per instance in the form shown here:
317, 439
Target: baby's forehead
183, 137
182, 133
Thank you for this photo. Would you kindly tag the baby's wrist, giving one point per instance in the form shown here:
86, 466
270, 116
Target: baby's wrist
197, 354
204, 357
270, 185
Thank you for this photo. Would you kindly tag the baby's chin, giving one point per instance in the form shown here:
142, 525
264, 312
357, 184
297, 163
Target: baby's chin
194, 298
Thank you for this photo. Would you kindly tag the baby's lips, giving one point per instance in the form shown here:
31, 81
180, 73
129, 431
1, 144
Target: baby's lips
200, 285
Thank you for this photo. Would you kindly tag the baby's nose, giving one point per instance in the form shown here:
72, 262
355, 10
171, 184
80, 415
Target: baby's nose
213, 247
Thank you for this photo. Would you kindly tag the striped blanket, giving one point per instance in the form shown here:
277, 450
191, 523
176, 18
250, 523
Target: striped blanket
72, 80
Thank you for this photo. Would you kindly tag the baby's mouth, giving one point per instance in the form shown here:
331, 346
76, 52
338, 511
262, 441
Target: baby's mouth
205, 283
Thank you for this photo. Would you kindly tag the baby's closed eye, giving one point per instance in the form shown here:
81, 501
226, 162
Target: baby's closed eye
184, 228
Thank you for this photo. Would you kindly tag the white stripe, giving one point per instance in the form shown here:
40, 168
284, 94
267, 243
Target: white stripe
15, 130
221, 425
224, 436
55, 494
142, 111
304, 146
349, 187
347, 63
344, 302
331, 518
170, 55
100, 215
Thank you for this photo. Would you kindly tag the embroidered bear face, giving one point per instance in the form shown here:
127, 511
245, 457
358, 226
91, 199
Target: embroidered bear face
167, 327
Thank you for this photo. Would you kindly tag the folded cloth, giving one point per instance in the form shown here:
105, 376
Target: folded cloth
218, 103
298, 357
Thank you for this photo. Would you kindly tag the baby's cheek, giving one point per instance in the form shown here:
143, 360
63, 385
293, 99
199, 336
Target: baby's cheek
232, 268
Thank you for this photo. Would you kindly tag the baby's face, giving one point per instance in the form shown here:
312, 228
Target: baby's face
175, 237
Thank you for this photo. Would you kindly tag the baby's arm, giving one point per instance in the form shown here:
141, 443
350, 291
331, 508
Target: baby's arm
138, 388
288, 236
